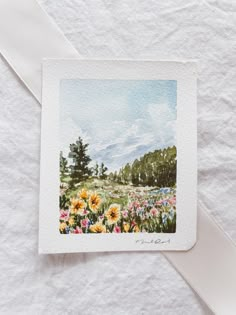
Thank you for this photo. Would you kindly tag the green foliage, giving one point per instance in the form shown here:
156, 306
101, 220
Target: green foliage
80, 162
96, 170
64, 202
102, 171
156, 168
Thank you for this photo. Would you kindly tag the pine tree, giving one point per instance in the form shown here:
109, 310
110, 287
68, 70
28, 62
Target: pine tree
127, 173
118, 179
80, 162
96, 170
64, 170
143, 175
156, 168
102, 171
135, 172
111, 176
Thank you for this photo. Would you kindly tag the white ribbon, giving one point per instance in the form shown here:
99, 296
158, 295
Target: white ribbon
210, 266
39, 37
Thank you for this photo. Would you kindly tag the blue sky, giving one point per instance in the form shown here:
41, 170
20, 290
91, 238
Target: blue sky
120, 119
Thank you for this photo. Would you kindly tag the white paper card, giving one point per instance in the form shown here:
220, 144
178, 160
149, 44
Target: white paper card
118, 156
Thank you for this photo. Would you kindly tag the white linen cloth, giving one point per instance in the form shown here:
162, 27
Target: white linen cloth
111, 283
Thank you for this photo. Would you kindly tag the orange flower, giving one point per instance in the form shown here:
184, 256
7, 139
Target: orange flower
126, 227
77, 206
83, 194
62, 226
136, 229
94, 202
71, 221
98, 228
113, 214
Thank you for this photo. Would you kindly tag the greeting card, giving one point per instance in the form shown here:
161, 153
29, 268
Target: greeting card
118, 156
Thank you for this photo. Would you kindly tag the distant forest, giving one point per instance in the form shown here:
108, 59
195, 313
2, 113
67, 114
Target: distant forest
157, 168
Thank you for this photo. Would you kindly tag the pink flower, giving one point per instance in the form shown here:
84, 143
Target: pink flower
134, 204
124, 213
78, 230
172, 200
154, 212
84, 222
85, 212
159, 202
117, 229
64, 215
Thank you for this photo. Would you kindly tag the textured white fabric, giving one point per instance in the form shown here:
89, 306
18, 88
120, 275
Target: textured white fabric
135, 283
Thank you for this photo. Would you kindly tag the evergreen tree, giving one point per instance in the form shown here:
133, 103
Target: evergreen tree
64, 170
150, 180
135, 172
96, 170
127, 173
111, 176
119, 175
80, 162
102, 171
143, 176
156, 168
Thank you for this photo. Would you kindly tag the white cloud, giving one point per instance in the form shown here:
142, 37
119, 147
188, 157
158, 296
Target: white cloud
163, 120
69, 133
116, 142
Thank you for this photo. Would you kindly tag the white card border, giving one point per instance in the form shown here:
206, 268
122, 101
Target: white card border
54, 70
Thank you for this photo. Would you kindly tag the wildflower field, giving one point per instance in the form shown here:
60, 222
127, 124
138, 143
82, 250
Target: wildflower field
102, 206
139, 197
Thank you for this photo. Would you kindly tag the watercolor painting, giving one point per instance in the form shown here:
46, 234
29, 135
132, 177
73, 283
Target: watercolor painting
117, 156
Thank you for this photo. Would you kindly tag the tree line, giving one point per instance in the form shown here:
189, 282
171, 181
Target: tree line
157, 168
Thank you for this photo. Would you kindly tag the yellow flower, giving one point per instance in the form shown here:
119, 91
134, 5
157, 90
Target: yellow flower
126, 227
83, 194
62, 227
77, 206
94, 202
113, 214
71, 221
98, 228
136, 229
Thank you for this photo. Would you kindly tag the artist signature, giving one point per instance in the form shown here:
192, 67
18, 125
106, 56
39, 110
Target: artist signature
153, 241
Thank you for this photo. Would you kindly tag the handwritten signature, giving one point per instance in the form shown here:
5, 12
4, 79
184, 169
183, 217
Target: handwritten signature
153, 241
